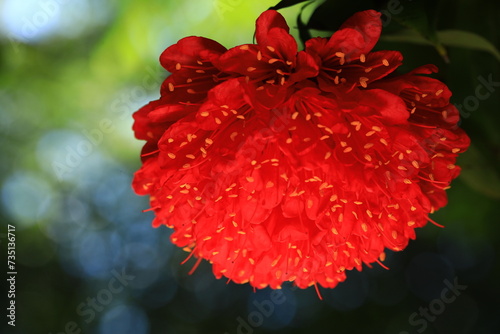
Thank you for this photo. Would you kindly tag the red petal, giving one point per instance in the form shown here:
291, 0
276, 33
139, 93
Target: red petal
169, 113
243, 60
284, 44
188, 51
261, 239
358, 34
306, 67
266, 21
390, 106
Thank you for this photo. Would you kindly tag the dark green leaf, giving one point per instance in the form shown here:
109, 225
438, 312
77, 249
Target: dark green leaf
417, 15
304, 33
406, 36
479, 174
468, 40
287, 3
330, 15
456, 38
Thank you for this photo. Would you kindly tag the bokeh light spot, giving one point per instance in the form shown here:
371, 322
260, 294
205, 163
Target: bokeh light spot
25, 196
124, 319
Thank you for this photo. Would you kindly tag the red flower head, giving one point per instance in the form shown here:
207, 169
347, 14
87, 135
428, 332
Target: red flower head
277, 165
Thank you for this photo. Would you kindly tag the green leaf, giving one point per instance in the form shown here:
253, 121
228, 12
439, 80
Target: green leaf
330, 15
406, 36
415, 16
304, 33
455, 38
287, 3
478, 173
467, 40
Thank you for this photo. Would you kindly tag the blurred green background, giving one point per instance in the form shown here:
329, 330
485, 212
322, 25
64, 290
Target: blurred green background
87, 258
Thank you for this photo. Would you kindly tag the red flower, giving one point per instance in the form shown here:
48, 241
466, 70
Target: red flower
277, 165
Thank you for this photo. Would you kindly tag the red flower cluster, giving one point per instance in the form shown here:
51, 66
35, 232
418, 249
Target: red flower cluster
277, 165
